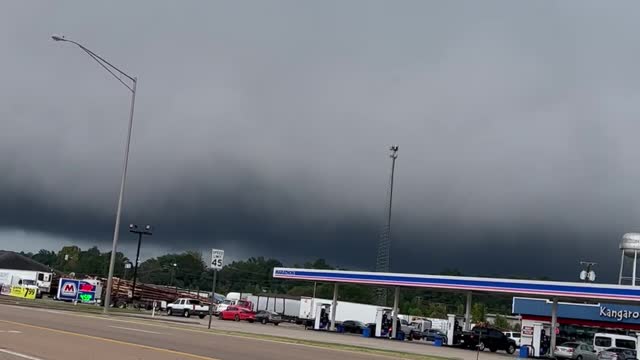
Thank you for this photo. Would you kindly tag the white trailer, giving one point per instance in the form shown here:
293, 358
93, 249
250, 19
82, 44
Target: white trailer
345, 310
289, 308
40, 279
439, 324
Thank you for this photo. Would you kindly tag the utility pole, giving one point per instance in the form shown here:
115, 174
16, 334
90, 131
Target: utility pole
146, 231
384, 243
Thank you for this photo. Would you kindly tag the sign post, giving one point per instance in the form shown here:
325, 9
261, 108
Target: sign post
217, 257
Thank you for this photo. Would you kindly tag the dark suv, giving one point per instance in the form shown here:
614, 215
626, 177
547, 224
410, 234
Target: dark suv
488, 338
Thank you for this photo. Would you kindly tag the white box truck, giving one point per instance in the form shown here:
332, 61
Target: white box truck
39, 279
345, 310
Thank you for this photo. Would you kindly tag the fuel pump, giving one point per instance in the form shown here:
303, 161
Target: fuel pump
540, 341
322, 317
451, 328
384, 321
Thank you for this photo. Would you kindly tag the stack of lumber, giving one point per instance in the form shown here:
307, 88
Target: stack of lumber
121, 289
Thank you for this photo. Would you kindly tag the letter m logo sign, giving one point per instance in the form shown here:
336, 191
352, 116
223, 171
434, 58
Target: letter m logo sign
69, 289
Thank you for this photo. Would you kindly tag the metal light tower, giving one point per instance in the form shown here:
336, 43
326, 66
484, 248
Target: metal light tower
384, 243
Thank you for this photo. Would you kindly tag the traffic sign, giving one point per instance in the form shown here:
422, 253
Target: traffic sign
217, 257
217, 260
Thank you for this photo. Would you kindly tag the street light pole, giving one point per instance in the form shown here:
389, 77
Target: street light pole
135, 266
173, 273
134, 80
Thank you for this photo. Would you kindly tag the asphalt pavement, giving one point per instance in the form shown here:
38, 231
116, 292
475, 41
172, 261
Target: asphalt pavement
37, 334
298, 332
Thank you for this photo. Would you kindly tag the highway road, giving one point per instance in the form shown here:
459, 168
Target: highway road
39, 334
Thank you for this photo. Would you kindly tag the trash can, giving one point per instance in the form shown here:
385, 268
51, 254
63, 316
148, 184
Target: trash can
339, 328
400, 336
437, 342
524, 352
366, 332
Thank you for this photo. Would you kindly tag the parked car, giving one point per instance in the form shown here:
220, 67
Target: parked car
515, 336
418, 330
234, 302
353, 326
434, 334
487, 338
187, 307
617, 354
237, 314
265, 317
603, 341
575, 351
399, 332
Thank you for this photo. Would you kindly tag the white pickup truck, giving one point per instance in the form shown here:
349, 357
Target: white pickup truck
187, 307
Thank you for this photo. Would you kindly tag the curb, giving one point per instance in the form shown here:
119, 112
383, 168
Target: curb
156, 318
16, 302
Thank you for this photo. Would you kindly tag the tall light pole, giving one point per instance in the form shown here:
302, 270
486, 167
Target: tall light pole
146, 231
134, 81
384, 244
173, 273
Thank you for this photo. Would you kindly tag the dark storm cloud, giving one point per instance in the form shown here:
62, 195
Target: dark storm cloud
262, 127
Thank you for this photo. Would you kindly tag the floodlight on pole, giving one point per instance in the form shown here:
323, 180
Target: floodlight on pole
133, 228
587, 274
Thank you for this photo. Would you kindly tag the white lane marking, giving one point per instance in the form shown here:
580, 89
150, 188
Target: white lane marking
132, 329
11, 331
19, 355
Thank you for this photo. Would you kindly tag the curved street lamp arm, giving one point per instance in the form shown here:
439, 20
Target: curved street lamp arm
104, 63
97, 59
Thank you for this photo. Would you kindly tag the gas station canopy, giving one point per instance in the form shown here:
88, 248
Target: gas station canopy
546, 289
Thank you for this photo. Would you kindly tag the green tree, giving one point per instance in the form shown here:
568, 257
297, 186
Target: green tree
67, 259
478, 313
415, 312
45, 257
501, 323
184, 270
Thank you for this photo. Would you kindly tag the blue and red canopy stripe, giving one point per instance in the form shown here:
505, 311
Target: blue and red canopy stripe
564, 290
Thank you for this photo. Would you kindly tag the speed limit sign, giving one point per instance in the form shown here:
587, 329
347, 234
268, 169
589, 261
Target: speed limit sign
217, 256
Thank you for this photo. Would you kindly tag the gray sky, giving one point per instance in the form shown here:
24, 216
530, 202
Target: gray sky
263, 127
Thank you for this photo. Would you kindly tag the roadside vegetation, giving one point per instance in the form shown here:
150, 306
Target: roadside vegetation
188, 270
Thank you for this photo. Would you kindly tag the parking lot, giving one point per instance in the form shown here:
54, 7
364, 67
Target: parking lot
298, 332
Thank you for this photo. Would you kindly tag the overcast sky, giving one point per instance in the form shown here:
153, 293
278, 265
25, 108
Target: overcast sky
263, 127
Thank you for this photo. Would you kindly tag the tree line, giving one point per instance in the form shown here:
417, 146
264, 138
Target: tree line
188, 270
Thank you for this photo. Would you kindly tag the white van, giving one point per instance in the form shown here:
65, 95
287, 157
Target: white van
603, 341
515, 336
